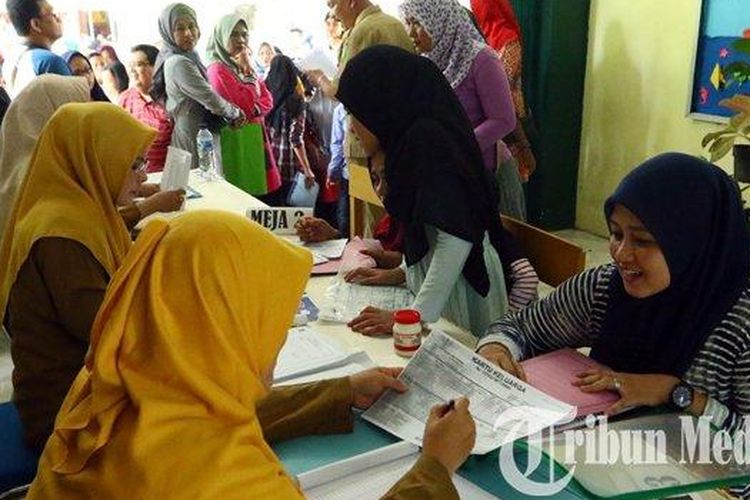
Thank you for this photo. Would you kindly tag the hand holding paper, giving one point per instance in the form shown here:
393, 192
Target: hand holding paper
318, 60
176, 169
369, 385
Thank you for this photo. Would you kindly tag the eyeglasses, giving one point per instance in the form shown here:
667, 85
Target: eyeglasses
53, 15
139, 65
139, 165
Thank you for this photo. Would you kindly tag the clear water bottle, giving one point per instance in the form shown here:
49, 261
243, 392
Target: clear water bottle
204, 143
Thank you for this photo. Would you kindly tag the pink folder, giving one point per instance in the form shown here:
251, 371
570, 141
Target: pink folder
350, 259
554, 372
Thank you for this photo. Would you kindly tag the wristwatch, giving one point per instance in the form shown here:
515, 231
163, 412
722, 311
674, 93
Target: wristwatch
682, 396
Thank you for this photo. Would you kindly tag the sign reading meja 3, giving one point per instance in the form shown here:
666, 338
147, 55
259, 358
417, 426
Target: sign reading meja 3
279, 220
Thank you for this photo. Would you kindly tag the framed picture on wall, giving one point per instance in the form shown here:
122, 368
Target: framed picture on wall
722, 57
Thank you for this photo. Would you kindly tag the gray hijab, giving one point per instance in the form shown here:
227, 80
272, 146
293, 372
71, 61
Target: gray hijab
167, 20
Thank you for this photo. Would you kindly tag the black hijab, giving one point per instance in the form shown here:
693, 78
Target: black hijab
434, 168
120, 74
97, 93
694, 211
282, 82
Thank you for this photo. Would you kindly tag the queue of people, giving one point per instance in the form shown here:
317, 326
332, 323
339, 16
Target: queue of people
108, 369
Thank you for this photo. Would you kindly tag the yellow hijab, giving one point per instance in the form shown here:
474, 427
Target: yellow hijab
75, 174
165, 406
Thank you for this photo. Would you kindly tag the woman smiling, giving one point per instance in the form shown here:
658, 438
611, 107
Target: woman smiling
181, 81
669, 316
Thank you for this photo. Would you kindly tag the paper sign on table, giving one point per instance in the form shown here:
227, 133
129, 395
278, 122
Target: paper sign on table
279, 220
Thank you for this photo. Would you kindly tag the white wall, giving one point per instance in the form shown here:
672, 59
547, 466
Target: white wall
136, 20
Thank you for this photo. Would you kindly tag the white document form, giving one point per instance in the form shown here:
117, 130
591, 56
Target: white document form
322, 251
370, 475
344, 301
444, 370
353, 363
307, 351
176, 169
317, 59
331, 249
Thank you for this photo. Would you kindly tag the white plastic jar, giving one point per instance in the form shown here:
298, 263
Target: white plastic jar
407, 332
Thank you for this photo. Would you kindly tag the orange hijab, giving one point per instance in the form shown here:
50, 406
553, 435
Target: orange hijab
165, 405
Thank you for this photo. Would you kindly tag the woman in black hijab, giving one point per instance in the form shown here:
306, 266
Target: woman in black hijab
670, 318
433, 184
286, 123
80, 66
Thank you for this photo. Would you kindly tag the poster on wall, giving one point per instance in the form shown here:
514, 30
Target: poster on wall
722, 63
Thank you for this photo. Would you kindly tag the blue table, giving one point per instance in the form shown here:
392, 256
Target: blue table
310, 452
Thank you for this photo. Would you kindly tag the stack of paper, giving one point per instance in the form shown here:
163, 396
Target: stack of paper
353, 363
308, 356
370, 475
331, 249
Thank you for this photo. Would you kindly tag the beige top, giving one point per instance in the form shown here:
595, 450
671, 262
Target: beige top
372, 27
26, 117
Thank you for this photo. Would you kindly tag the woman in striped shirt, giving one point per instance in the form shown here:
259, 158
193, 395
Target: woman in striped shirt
670, 316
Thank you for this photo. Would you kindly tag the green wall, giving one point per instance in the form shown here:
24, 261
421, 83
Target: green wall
638, 78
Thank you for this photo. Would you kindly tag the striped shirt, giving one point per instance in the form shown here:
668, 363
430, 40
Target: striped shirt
524, 284
573, 315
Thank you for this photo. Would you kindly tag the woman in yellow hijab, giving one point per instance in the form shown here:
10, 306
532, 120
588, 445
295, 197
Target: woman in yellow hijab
63, 241
183, 349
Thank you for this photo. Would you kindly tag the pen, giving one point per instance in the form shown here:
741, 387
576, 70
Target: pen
449, 407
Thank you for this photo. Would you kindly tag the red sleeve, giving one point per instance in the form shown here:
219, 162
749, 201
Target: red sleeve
228, 86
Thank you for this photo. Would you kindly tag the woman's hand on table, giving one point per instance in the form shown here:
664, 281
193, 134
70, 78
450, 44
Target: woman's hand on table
450, 434
501, 356
148, 189
314, 230
370, 384
634, 389
375, 277
384, 259
373, 321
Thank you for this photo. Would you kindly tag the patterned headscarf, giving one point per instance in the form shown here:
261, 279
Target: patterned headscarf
456, 42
